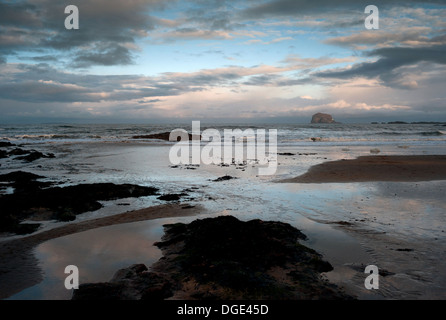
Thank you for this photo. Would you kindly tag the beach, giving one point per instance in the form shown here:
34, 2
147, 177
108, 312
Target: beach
386, 210
377, 168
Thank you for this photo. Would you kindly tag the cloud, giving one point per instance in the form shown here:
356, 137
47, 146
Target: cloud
107, 55
42, 83
106, 27
389, 64
412, 36
192, 34
44, 91
299, 62
280, 8
22, 13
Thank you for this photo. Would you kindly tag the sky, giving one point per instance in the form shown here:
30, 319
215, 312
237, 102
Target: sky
153, 61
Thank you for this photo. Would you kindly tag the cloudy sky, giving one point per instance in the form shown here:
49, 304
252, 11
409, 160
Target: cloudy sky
252, 60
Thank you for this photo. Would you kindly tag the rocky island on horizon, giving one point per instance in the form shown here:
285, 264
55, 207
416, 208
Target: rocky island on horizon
322, 118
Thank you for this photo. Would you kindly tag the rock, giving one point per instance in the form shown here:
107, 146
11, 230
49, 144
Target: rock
27, 155
19, 176
98, 291
286, 154
224, 178
159, 136
35, 155
224, 258
322, 118
18, 152
171, 197
5, 144
132, 283
26, 228
55, 203
24, 181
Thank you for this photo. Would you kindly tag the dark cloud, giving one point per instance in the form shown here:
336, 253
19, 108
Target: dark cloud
405, 36
39, 91
214, 14
390, 59
19, 13
106, 29
43, 83
277, 8
401, 56
262, 80
104, 55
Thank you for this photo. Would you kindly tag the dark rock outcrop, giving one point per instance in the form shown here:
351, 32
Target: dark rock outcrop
322, 118
33, 198
35, 155
23, 181
21, 154
132, 283
224, 178
18, 152
159, 136
171, 197
224, 258
5, 144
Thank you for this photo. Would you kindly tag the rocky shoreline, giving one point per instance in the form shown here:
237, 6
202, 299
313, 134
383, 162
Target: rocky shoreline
12, 151
223, 258
37, 200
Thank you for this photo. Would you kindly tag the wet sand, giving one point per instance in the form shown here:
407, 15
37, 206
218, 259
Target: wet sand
377, 168
19, 268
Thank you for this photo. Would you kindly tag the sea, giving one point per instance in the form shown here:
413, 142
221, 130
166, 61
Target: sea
397, 226
288, 135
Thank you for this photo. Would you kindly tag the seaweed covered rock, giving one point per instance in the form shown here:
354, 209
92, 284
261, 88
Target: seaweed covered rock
4, 144
225, 258
161, 136
35, 198
132, 283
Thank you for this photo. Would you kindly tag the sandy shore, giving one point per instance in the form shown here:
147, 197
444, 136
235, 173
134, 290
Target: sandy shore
19, 268
377, 168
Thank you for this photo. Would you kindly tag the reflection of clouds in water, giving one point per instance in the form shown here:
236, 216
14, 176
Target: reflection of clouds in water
98, 254
428, 190
416, 209
432, 191
407, 209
